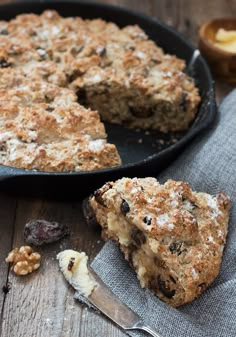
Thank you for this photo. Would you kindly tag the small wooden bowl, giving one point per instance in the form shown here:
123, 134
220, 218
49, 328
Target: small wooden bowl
222, 63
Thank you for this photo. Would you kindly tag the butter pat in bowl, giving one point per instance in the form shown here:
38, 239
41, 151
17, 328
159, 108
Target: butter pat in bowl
226, 40
217, 43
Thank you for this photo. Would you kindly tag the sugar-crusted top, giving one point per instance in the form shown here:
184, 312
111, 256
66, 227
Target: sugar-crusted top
42, 127
184, 229
45, 59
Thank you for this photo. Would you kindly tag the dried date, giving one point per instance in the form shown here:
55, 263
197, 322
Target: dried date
71, 263
98, 194
98, 197
89, 214
202, 286
38, 232
147, 220
183, 102
164, 289
81, 96
142, 112
4, 31
176, 248
138, 237
124, 207
101, 50
4, 63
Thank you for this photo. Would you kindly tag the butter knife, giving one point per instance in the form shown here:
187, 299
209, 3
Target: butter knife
111, 306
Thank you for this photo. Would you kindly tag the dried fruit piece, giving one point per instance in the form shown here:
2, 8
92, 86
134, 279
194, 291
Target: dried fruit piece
98, 194
176, 248
138, 237
4, 31
101, 50
4, 63
38, 232
71, 263
98, 197
124, 207
23, 260
81, 96
164, 288
89, 213
183, 102
142, 112
147, 220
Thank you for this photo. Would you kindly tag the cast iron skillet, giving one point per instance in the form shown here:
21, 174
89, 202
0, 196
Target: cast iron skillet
143, 153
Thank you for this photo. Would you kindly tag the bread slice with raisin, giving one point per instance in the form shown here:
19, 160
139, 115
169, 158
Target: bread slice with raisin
172, 236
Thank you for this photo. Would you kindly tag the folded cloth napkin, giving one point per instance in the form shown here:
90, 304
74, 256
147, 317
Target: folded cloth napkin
209, 165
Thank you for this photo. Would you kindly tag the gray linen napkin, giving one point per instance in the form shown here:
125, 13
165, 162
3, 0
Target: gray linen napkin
209, 164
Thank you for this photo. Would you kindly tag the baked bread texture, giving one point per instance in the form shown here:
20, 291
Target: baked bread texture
53, 70
171, 236
42, 127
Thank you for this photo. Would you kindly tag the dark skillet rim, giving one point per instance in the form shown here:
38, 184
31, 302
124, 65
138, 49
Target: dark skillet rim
191, 133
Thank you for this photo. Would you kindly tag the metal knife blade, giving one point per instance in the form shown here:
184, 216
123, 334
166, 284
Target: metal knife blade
110, 305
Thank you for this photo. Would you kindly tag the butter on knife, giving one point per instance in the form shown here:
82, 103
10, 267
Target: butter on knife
88, 284
74, 267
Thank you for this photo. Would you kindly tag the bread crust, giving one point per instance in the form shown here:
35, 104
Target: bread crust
172, 237
49, 64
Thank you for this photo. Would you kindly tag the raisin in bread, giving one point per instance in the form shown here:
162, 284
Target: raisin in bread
172, 237
42, 127
119, 72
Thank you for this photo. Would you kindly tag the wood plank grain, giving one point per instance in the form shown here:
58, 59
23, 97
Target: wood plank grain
192, 14
44, 296
7, 214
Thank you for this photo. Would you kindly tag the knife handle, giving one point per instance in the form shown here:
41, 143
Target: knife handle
141, 326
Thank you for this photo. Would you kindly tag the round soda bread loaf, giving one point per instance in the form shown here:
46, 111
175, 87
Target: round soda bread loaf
171, 236
54, 69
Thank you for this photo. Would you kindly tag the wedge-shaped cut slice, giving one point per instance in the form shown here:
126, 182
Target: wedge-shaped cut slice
172, 237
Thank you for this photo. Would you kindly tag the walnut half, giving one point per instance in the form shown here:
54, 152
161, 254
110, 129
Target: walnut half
23, 260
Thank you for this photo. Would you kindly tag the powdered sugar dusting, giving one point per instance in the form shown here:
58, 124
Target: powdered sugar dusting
5, 136
212, 203
187, 205
171, 226
96, 145
220, 233
199, 255
174, 203
210, 239
136, 190
162, 219
194, 274
97, 78
140, 55
55, 30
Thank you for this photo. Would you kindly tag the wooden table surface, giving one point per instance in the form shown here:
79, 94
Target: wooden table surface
42, 304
